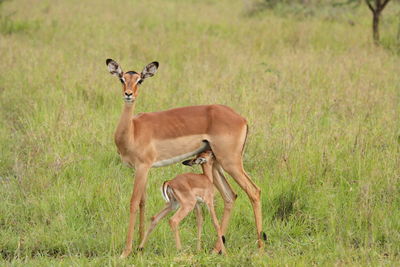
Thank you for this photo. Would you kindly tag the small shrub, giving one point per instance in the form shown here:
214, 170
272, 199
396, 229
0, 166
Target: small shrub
10, 26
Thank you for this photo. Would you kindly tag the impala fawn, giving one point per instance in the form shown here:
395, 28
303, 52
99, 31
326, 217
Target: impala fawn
185, 192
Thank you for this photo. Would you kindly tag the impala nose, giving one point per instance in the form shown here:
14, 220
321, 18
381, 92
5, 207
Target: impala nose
128, 96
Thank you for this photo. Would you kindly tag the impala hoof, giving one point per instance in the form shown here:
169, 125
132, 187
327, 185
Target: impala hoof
218, 251
264, 235
125, 254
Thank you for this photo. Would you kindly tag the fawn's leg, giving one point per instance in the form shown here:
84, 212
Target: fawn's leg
182, 212
154, 221
199, 219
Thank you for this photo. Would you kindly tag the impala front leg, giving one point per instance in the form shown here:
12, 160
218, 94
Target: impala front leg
142, 224
139, 187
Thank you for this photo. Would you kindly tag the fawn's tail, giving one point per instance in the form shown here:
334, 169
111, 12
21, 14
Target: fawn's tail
164, 189
167, 192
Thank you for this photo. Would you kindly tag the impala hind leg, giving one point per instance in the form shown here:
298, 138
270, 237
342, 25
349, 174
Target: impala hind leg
253, 192
182, 212
139, 187
154, 221
199, 219
228, 195
210, 205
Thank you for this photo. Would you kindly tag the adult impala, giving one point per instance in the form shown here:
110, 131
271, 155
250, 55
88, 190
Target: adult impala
157, 139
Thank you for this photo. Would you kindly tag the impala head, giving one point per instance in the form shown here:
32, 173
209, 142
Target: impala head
131, 79
203, 157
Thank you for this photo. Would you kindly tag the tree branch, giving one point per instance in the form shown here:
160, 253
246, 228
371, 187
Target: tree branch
370, 6
384, 4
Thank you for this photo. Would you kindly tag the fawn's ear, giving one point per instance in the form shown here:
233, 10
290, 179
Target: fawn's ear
149, 70
188, 162
114, 68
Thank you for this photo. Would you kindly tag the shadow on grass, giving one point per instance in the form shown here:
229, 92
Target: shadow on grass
9, 255
285, 205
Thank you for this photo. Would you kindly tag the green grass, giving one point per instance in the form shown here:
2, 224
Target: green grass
322, 103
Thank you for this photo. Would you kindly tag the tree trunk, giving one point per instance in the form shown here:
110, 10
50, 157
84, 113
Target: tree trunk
398, 33
375, 26
376, 13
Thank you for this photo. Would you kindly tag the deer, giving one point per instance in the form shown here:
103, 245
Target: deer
162, 138
186, 192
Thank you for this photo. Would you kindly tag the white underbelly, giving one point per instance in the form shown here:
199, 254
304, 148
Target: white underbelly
174, 150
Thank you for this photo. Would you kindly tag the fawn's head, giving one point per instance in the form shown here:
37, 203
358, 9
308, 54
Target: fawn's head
202, 158
131, 79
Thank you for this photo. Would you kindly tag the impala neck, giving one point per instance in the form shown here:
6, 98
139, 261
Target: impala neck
207, 170
124, 133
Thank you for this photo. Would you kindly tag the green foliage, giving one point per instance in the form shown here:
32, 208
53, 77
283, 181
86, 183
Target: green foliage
346, 11
321, 101
10, 26
309, 8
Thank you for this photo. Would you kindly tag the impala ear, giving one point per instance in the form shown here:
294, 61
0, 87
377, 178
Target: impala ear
114, 68
149, 70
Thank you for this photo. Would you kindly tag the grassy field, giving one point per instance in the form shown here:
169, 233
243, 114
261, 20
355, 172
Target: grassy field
322, 103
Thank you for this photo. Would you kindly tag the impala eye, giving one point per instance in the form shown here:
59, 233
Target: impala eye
122, 80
